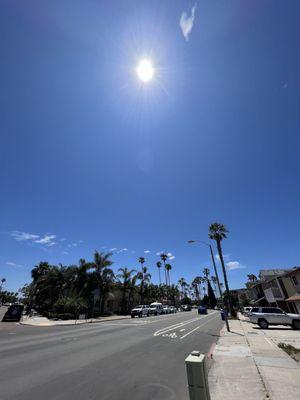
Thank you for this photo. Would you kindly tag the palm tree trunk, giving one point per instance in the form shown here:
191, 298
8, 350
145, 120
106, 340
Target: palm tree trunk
225, 278
166, 276
159, 276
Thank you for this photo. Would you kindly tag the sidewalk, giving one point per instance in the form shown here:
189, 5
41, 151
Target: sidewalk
249, 365
42, 321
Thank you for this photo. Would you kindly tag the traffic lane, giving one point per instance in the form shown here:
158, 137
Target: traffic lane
116, 362
167, 327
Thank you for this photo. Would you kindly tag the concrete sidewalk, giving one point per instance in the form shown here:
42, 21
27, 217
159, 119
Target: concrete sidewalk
249, 365
42, 321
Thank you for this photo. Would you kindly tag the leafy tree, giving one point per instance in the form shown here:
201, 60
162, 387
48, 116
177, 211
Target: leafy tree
103, 275
168, 268
158, 264
145, 278
218, 232
164, 258
125, 276
211, 296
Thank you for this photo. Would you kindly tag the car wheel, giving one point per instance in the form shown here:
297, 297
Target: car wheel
296, 325
140, 315
132, 316
148, 315
263, 324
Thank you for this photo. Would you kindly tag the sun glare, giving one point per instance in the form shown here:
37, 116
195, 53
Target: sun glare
145, 70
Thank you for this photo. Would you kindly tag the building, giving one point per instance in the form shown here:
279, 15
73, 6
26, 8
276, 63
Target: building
277, 288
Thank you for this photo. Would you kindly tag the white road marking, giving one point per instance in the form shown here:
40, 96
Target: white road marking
193, 330
179, 325
181, 330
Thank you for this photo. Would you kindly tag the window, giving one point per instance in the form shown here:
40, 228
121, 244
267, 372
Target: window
268, 310
278, 311
294, 280
254, 309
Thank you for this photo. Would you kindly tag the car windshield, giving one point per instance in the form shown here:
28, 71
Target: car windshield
138, 307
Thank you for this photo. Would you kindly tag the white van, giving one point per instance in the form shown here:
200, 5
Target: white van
156, 309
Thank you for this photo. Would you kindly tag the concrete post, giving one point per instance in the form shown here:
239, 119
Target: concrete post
197, 376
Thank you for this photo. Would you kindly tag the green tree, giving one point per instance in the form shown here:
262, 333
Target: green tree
125, 278
218, 232
168, 268
211, 296
158, 264
145, 278
183, 285
164, 258
103, 275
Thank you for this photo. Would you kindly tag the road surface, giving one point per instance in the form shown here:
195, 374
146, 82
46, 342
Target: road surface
134, 359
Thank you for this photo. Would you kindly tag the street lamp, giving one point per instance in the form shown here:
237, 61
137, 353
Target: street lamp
217, 277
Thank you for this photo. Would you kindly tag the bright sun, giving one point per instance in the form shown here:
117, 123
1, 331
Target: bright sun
145, 70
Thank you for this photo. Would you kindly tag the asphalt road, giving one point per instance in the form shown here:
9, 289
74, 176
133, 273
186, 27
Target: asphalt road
134, 359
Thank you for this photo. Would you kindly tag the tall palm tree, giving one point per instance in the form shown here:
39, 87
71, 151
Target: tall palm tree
3, 280
145, 278
103, 275
125, 277
183, 285
206, 272
141, 261
195, 285
164, 258
158, 264
168, 268
218, 232
214, 281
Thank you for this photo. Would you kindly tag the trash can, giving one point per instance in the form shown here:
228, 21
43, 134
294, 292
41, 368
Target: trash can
224, 314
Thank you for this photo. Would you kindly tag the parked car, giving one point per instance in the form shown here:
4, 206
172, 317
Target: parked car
156, 309
186, 307
167, 309
140, 311
173, 309
266, 316
202, 310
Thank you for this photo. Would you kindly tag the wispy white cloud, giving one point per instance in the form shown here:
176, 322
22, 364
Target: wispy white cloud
159, 253
147, 251
172, 257
13, 264
169, 255
231, 265
186, 22
48, 240
23, 236
113, 249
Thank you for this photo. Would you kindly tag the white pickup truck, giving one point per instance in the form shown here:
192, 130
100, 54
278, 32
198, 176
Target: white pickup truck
265, 316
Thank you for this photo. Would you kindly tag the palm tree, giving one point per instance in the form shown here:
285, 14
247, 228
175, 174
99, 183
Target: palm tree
252, 277
125, 276
195, 285
168, 268
103, 275
183, 285
3, 280
218, 232
214, 281
141, 261
158, 264
145, 278
206, 272
164, 258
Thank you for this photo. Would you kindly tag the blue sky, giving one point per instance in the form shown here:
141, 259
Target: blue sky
92, 158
